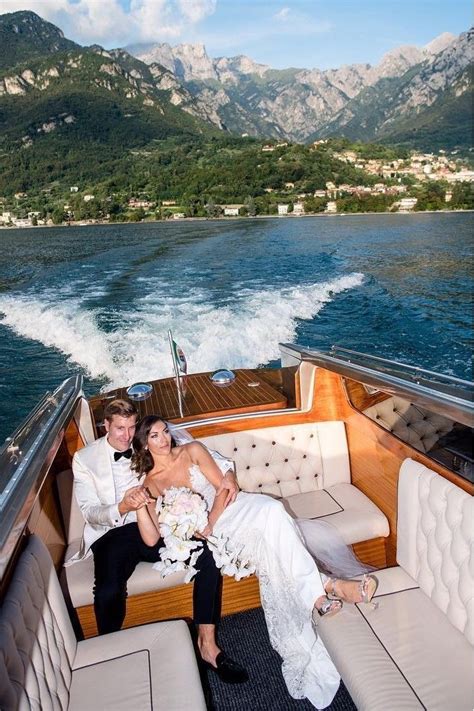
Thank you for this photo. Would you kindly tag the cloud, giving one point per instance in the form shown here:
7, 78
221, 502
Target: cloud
197, 10
111, 23
282, 14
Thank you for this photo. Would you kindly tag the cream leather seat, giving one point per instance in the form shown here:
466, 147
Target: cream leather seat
410, 423
43, 666
307, 467
415, 650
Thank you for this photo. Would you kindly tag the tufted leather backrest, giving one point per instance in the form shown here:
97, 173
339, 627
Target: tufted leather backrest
410, 423
289, 459
37, 643
72, 514
435, 536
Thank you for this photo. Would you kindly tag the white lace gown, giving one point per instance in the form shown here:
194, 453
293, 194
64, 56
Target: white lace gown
260, 528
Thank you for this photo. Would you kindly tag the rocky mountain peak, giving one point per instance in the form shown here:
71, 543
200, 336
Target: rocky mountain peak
228, 67
25, 35
187, 61
439, 43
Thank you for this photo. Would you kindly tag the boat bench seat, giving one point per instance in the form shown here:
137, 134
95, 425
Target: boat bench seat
306, 465
413, 424
415, 650
43, 666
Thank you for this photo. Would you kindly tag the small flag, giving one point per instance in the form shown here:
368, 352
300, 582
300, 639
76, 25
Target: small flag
179, 357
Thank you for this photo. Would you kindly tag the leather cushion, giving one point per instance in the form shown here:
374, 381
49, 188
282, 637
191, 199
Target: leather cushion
80, 579
403, 655
149, 667
345, 507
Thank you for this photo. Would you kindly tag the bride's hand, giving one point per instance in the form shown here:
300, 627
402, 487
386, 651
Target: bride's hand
229, 483
205, 533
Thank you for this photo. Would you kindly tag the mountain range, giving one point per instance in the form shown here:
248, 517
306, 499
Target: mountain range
392, 101
68, 109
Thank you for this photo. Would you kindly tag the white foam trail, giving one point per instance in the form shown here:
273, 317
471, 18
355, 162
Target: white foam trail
62, 326
244, 333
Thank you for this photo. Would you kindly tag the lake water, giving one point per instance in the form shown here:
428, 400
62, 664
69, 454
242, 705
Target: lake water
100, 299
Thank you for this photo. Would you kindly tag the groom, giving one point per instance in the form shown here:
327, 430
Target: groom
109, 494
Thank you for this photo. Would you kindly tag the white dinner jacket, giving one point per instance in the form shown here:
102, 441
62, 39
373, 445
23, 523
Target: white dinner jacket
94, 490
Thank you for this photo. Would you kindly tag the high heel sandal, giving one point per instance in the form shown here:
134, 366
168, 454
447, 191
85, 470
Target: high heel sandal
367, 587
329, 607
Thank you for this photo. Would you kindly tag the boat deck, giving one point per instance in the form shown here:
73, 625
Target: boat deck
202, 399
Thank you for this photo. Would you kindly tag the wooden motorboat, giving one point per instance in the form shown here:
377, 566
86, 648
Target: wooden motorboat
335, 435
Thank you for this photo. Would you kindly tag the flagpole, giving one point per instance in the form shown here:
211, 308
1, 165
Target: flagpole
176, 372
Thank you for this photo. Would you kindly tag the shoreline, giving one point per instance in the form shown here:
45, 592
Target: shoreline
102, 223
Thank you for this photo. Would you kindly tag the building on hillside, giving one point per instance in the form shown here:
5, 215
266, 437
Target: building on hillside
268, 148
18, 196
168, 203
88, 198
134, 203
7, 217
74, 189
462, 176
282, 209
178, 215
22, 222
231, 210
448, 196
331, 206
298, 208
289, 186
406, 204
319, 194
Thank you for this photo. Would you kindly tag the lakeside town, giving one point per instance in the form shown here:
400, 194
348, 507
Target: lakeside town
418, 182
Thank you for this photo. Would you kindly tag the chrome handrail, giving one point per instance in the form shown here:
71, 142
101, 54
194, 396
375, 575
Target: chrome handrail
452, 399
346, 352
23, 457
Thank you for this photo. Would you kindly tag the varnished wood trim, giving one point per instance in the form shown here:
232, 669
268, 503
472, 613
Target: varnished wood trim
372, 552
360, 398
375, 455
202, 399
176, 603
73, 439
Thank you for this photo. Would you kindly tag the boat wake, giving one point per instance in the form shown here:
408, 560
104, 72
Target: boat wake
132, 345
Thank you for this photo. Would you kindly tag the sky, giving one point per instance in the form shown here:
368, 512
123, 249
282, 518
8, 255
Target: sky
296, 33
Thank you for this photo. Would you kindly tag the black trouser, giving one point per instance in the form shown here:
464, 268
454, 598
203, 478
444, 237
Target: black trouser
116, 555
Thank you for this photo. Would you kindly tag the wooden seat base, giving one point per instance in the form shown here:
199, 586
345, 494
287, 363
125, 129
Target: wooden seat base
177, 602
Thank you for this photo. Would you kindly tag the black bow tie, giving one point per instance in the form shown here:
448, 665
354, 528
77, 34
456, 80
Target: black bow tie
127, 454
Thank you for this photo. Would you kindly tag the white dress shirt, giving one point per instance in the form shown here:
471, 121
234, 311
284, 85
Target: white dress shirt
124, 478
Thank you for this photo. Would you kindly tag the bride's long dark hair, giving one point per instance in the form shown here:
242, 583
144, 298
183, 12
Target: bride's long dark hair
142, 461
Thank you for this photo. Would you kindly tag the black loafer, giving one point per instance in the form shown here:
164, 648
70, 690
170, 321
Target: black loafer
227, 670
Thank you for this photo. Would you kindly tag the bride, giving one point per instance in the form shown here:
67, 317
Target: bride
291, 587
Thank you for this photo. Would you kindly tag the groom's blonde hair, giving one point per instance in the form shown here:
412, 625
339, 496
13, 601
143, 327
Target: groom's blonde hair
123, 408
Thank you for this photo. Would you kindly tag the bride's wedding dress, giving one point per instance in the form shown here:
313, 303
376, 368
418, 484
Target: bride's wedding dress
264, 534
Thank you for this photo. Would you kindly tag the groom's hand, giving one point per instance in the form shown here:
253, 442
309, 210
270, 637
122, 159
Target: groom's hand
133, 499
229, 484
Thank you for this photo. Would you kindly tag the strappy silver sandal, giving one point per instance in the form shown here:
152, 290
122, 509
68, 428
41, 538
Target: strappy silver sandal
367, 587
329, 607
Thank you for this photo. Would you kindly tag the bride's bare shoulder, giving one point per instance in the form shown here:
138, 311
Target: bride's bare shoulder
194, 449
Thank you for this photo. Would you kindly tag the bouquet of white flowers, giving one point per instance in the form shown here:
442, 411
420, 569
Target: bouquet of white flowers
181, 514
